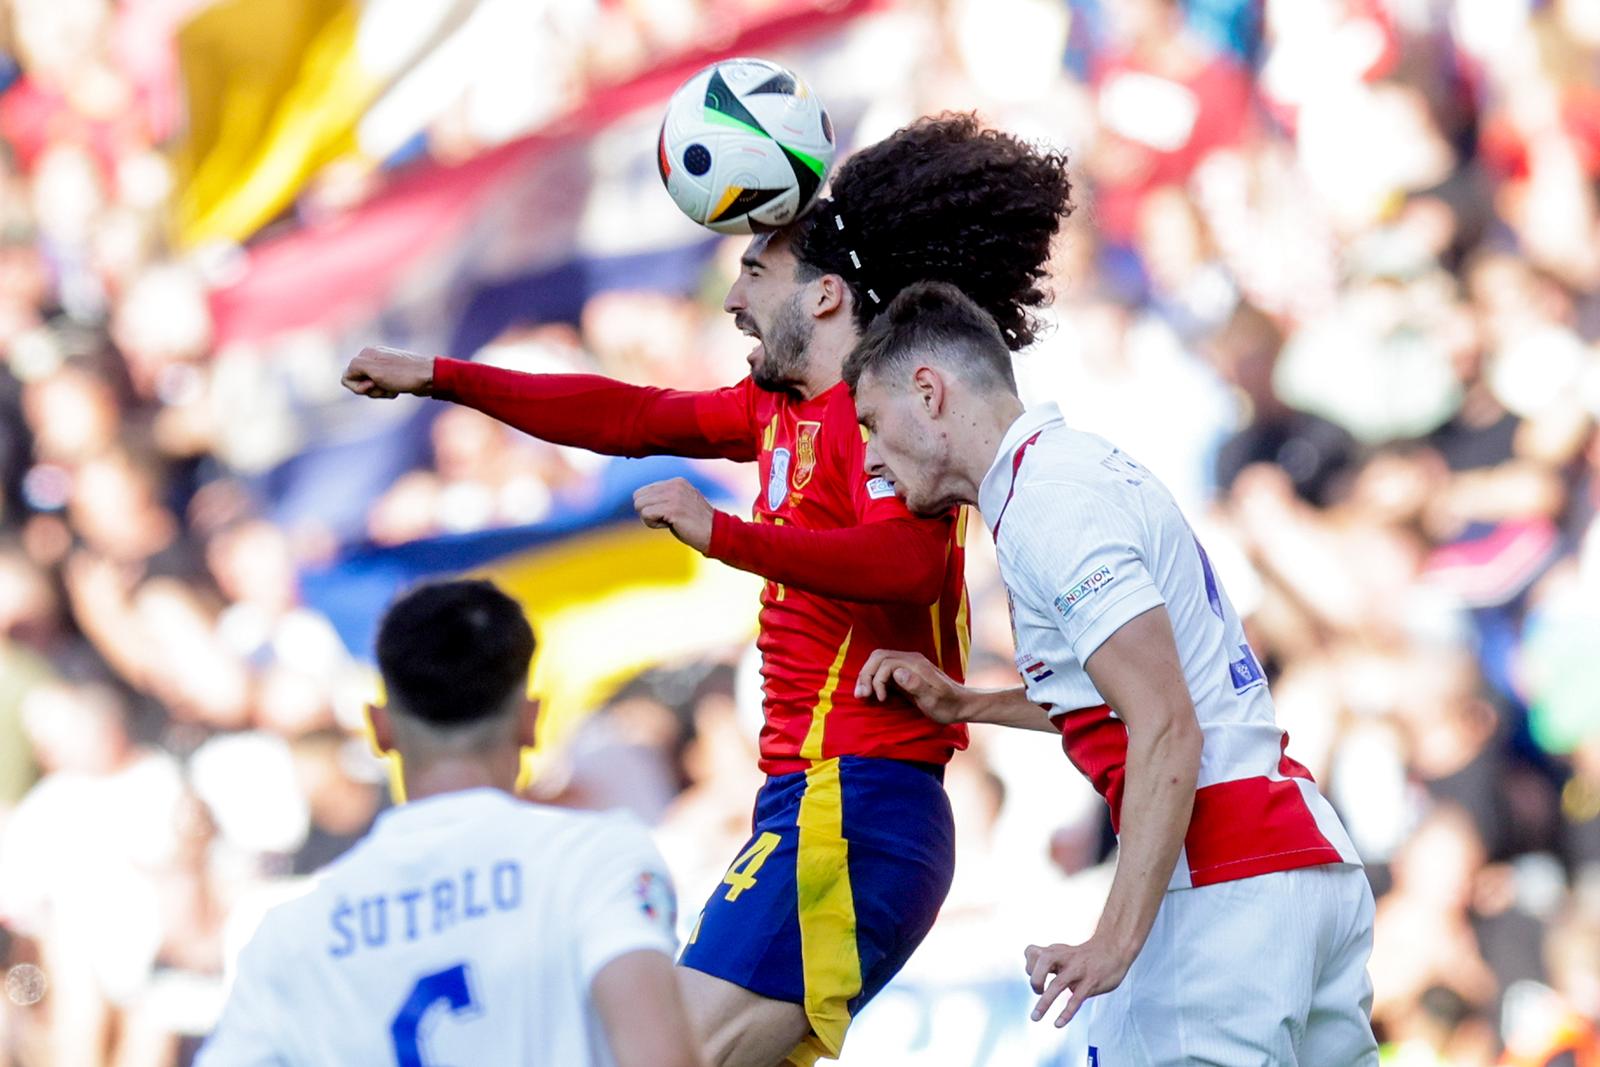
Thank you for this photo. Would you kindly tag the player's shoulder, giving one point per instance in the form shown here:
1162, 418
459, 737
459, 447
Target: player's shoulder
1075, 483
1069, 454
466, 825
583, 849
835, 409
1071, 470
279, 916
576, 821
762, 402
571, 834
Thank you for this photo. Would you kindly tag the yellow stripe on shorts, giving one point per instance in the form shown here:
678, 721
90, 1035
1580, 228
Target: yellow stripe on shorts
806, 1053
829, 958
811, 747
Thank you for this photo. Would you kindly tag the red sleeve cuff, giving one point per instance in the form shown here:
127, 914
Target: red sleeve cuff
723, 532
443, 377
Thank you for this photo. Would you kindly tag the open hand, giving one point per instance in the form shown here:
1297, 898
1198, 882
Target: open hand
934, 692
1083, 971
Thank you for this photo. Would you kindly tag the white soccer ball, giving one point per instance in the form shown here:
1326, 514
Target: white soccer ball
745, 146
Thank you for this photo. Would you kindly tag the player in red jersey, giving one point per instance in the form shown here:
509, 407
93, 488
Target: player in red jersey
851, 852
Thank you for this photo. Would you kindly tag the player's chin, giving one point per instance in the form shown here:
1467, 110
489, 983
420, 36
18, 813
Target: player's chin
936, 508
764, 376
924, 507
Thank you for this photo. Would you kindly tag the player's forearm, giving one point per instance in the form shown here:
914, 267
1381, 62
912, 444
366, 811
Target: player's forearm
900, 561
590, 411
641, 1011
1006, 707
1158, 798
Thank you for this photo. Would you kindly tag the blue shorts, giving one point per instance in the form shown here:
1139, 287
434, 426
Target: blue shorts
844, 872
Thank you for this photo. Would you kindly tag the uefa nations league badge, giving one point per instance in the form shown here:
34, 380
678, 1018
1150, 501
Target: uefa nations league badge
778, 480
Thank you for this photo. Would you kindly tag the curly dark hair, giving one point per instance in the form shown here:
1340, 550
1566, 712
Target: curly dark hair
943, 199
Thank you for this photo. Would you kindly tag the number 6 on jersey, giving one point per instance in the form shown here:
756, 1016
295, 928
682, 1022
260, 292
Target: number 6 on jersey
452, 987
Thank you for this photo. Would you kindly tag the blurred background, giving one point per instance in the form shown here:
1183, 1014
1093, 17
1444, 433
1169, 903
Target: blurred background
1334, 275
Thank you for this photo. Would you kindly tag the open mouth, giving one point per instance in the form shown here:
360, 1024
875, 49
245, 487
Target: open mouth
748, 328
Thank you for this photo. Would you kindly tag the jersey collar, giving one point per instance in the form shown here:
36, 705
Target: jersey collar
995, 492
466, 805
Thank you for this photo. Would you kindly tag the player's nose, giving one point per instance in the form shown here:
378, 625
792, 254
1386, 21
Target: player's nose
734, 301
872, 461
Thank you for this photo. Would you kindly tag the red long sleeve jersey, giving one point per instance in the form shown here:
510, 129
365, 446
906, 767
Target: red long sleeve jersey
815, 516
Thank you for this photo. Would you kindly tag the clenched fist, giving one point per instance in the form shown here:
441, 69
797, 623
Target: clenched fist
679, 507
384, 373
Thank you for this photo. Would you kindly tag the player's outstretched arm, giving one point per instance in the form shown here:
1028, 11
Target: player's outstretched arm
894, 561
636, 996
941, 698
898, 561
1138, 672
580, 410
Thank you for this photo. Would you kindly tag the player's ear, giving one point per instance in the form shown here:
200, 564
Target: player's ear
832, 295
380, 730
528, 722
929, 386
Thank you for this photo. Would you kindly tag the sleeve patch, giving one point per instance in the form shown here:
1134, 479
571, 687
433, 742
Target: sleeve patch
656, 900
1095, 581
879, 488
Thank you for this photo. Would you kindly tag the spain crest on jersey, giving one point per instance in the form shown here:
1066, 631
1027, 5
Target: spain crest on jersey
805, 452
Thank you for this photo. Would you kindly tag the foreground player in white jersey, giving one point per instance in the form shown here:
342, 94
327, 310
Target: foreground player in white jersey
1239, 922
468, 927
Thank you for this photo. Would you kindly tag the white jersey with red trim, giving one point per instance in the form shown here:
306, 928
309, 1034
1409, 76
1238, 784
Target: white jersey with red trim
1087, 540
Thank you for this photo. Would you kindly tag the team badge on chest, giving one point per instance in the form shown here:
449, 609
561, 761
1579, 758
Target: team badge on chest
778, 479
805, 449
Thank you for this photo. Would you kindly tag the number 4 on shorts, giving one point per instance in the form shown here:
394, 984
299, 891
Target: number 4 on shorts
742, 874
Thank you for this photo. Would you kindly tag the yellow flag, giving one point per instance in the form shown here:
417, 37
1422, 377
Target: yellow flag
274, 90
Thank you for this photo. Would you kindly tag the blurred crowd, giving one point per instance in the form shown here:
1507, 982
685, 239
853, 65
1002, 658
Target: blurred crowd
1334, 275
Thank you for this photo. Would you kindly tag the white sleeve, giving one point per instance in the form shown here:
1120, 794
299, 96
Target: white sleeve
252, 1024
1084, 556
625, 898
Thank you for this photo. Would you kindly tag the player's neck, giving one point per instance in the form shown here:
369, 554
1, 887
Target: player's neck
831, 341
455, 776
990, 421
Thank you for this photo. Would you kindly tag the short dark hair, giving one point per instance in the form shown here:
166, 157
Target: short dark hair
943, 199
453, 653
939, 320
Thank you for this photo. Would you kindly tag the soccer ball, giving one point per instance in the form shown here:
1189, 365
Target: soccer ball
745, 146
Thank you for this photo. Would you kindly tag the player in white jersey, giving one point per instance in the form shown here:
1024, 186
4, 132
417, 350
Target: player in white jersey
1239, 921
468, 927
